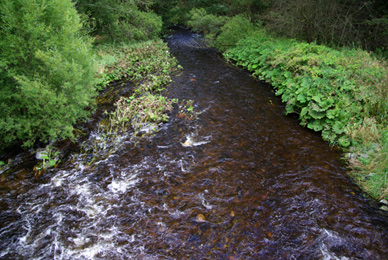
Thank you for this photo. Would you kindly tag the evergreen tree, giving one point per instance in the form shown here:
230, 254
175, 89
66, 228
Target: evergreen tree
46, 70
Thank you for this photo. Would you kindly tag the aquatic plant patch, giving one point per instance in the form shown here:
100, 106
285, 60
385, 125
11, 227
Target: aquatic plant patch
149, 65
139, 111
134, 62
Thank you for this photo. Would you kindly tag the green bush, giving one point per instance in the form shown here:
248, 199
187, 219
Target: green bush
138, 26
122, 20
235, 29
171, 11
144, 26
46, 70
209, 24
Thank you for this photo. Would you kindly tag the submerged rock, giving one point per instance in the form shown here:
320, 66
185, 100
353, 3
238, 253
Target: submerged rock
200, 218
384, 205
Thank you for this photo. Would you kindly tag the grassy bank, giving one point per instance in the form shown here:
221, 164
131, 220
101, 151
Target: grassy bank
340, 93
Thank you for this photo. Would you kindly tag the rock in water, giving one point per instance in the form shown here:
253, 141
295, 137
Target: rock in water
201, 218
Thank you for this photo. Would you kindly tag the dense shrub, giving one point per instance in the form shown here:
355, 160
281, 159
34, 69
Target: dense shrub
209, 24
137, 26
174, 10
122, 20
46, 70
336, 22
235, 29
144, 26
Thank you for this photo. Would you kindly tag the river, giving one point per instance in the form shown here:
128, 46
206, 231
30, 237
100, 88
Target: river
239, 181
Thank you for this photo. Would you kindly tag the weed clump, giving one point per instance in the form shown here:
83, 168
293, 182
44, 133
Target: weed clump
148, 64
134, 62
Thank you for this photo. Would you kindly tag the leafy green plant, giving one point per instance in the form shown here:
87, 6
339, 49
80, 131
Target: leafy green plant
139, 111
122, 20
318, 83
150, 60
341, 93
186, 109
46, 71
235, 29
50, 157
201, 21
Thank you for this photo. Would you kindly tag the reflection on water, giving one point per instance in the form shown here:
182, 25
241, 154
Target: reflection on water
240, 181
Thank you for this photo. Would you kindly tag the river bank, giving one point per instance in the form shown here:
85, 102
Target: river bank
339, 92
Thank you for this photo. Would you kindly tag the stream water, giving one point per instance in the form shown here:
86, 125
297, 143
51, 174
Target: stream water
239, 181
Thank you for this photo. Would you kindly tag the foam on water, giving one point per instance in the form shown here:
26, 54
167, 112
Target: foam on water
328, 239
121, 186
71, 198
193, 140
204, 202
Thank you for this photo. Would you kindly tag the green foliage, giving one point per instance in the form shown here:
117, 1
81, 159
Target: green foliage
150, 64
46, 70
381, 53
171, 11
340, 92
140, 26
235, 29
334, 22
50, 157
369, 156
122, 20
209, 24
246, 7
138, 111
329, 89
186, 109
149, 60
176, 12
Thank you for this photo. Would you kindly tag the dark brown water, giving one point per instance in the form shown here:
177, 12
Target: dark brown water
251, 184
